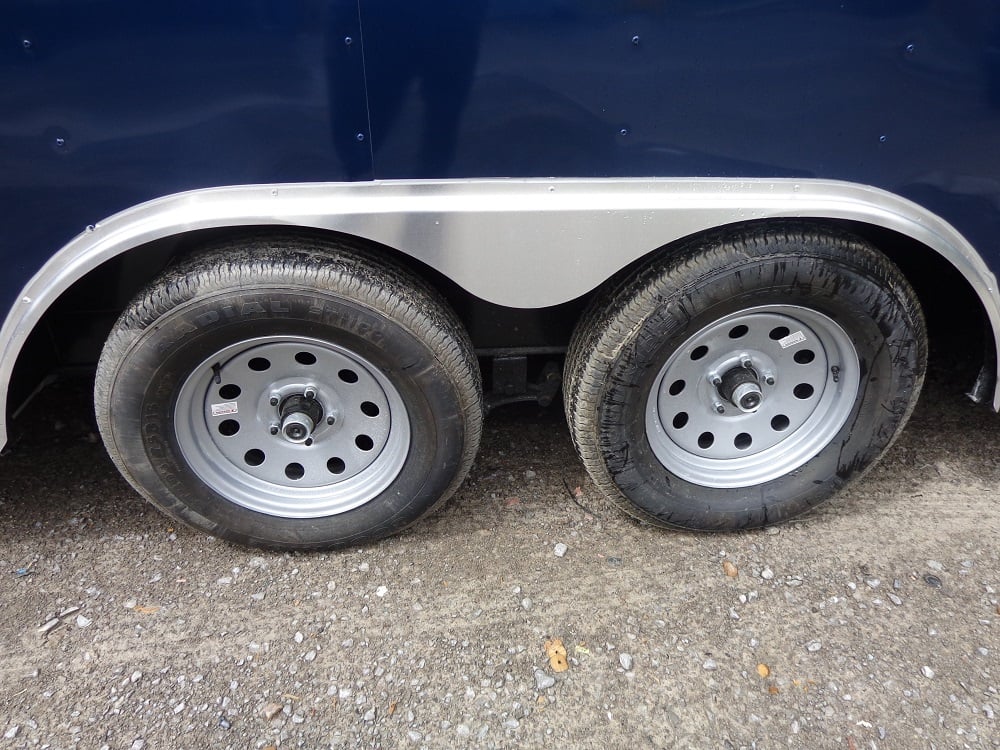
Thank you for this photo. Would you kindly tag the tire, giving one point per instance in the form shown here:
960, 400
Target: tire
744, 378
291, 394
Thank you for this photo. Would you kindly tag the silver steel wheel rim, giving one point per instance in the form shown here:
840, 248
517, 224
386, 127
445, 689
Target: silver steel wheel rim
228, 408
807, 373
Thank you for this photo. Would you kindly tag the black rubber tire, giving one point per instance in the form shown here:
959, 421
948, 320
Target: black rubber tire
627, 335
369, 307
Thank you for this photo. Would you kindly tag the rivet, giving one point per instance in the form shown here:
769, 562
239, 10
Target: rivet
26, 43
623, 131
910, 47
60, 142
635, 40
91, 227
26, 300
360, 137
883, 138
348, 41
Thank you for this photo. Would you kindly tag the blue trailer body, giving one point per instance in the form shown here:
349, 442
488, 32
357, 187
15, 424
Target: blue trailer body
123, 124
109, 104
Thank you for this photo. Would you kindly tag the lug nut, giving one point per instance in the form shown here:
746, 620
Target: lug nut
310, 393
274, 429
769, 380
719, 408
274, 400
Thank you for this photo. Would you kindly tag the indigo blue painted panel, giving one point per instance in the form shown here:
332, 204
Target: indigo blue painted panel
106, 103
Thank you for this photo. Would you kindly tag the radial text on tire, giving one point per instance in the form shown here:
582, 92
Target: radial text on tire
745, 377
290, 393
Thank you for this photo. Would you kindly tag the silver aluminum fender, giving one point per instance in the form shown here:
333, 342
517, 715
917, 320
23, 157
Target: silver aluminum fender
520, 243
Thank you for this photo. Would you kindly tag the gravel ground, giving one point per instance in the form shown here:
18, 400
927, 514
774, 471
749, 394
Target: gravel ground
873, 623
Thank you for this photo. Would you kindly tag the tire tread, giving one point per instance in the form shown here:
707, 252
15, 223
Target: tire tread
377, 283
614, 318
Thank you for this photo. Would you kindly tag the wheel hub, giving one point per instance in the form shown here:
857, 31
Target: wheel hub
752, 396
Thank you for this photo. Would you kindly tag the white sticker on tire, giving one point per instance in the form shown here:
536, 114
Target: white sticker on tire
229, 407
792, 339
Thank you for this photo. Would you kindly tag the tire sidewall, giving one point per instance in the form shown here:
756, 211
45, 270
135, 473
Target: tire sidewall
868, 310
163, 356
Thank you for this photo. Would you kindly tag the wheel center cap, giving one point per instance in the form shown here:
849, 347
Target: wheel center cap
741, 387
300, 413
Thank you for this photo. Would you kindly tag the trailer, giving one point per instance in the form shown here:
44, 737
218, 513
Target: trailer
307, 246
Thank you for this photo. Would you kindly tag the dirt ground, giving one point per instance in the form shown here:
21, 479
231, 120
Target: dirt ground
873, 623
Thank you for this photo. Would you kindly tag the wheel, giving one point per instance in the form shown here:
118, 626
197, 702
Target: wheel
291, 394
745, 378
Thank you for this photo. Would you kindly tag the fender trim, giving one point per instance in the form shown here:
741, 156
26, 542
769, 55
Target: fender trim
519, 243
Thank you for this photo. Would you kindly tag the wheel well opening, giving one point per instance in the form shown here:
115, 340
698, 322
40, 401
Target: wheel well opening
962, 348
959, 336
72, 332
